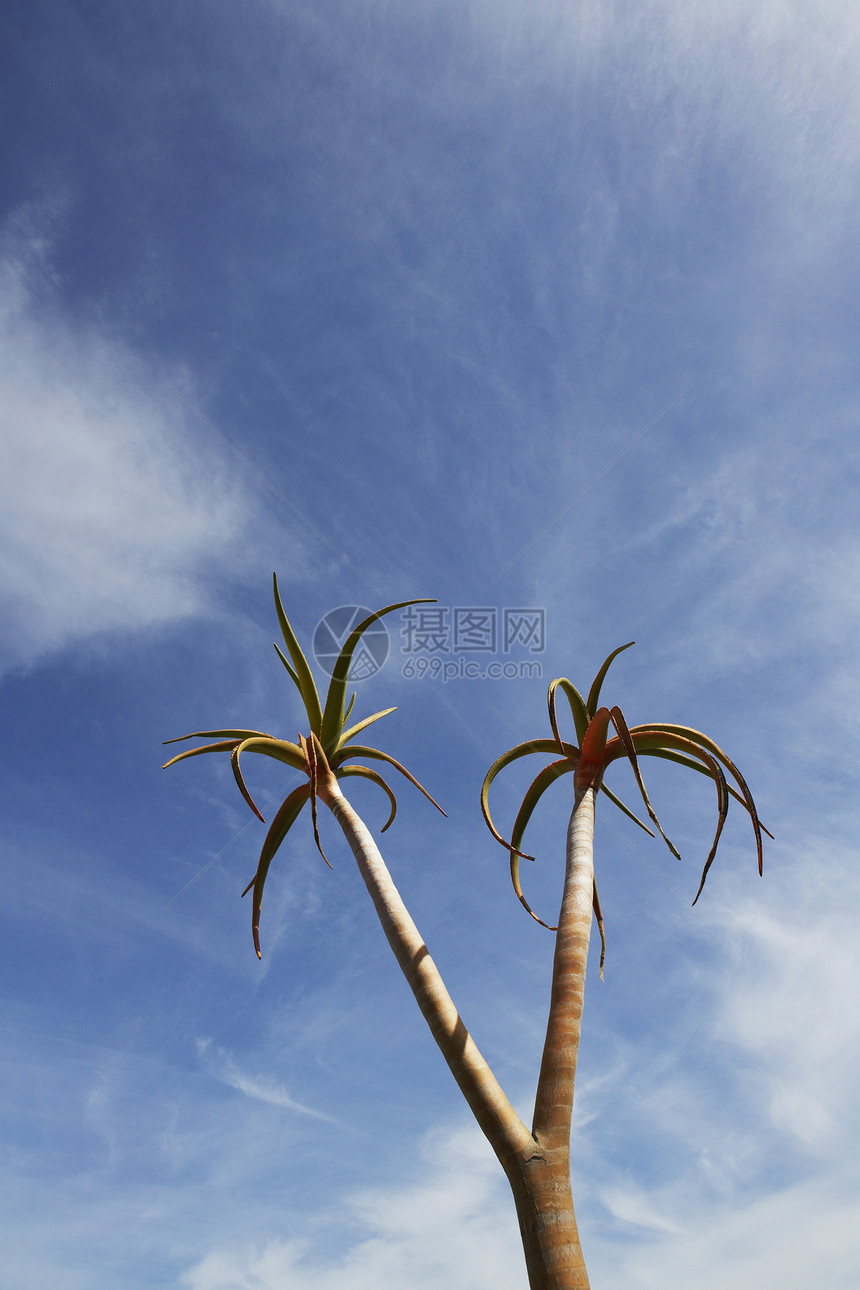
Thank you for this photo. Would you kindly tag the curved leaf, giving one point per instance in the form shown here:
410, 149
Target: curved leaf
219, 734
534, 793
278, 749
287, 665
626, 809
577, 708
375, 754
598, 914
702, 769
333, 716
237, 775
626, 738
702, 741
226, 746
362, 725
376, 778
520, 750
645, 745
286, 816
303, 675
594, 693
309, 748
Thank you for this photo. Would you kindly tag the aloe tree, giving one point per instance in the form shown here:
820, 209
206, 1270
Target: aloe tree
537, 1160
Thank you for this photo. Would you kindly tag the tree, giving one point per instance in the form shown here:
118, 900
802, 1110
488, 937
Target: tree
536, 1161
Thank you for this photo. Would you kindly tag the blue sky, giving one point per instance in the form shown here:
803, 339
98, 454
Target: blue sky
545, 306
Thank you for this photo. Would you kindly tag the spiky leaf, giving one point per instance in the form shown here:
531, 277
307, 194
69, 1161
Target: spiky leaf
333, 716
594, 693
285, 818
301, 671
375, 754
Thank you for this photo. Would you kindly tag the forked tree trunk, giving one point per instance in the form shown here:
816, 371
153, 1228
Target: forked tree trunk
537, 1163
540, 1183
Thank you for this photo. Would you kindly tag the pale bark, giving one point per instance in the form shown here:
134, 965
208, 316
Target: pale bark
547, 1220
544, 1200
554, 1101
537, 1164
499, 1121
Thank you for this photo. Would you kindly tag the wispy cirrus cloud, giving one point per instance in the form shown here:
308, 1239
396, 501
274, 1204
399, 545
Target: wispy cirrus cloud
773, 1012
794, 1237
450, 1223
106, 520
788, 998
215, 1061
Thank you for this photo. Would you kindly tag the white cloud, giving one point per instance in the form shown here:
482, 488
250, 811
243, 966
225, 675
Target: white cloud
761, 1188
454, 1226
775, 84
106, 519
765, 558
789, 995
630, 1205
215, 1061
754, 1187
793, 1238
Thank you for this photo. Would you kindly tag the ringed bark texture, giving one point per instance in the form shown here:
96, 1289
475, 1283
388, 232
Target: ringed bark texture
554, 1101
544, 1200
543, 1194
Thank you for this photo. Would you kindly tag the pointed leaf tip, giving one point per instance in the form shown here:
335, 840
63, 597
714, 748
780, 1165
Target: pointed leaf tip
594, 693
333, 715
300, 670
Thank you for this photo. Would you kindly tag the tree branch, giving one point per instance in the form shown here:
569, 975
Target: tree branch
499, 1121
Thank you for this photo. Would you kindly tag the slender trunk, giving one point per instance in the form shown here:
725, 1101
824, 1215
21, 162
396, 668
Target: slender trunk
554, 1101
537, 1164
550, 1236
545, 1208
499, 1121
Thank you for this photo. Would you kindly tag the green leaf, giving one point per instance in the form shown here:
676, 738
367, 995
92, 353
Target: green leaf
645, 745
362, 725
219, 734
289, 668
702, 769
696, 737
534, 793
376, 778
279, 749
630, 749
309, 748
520, 750
237, 775
333, 717
626, 809
227, 746
375, 754
303, 675
286, 816
577, 708
594, 692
